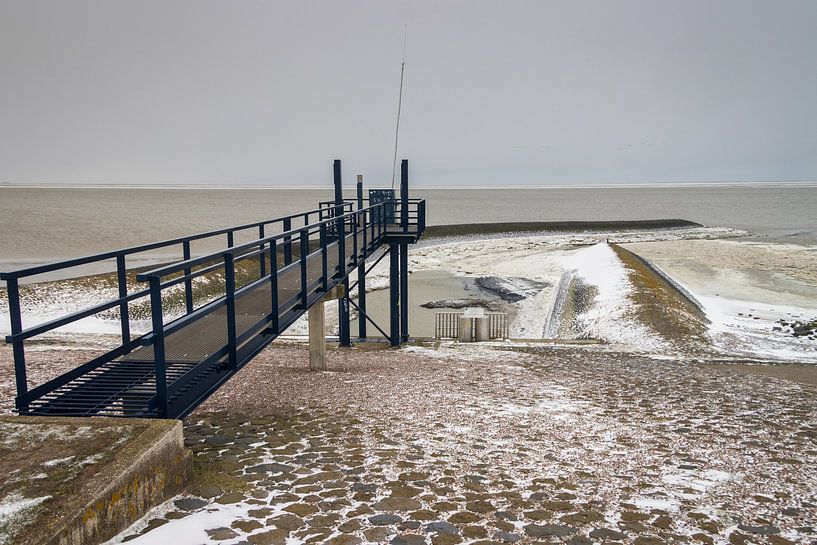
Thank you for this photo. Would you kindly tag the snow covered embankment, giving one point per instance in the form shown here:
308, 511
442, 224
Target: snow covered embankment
593, 300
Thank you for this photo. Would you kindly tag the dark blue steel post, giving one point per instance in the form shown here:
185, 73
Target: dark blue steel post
404, 221
355, 246
304, 244
122, 281
324, 258
394, 295
287, 241
229, 289
188, 282
361, 269
404, 196
230, 239
262, 259
160, 366
273, 285
17, 345
343, 300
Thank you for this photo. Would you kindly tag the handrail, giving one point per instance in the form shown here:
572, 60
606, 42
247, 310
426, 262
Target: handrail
181, 265
335, 231
84, 260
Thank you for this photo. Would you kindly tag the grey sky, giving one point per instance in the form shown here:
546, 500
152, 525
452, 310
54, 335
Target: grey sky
499, 93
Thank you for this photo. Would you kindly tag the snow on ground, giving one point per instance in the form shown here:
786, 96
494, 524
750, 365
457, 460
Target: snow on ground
493, 442
735, 330
543, 258
608, 317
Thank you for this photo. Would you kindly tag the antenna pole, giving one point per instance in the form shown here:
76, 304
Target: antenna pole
399, 108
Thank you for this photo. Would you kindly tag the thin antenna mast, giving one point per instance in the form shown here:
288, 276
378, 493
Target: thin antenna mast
399, 108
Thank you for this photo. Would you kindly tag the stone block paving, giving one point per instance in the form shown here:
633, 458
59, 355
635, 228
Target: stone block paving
498, 445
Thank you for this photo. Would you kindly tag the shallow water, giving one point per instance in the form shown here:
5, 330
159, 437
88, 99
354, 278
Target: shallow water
39, 224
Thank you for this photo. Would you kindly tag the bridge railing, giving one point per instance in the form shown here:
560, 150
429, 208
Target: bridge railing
365, 227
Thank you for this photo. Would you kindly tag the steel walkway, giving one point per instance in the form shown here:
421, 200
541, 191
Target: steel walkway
170, 370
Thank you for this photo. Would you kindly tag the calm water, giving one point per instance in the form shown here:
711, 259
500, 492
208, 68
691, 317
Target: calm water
44, 224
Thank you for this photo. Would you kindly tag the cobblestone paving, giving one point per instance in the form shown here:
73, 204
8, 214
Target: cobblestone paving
504, 445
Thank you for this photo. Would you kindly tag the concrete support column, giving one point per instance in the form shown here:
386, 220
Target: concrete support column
317, 336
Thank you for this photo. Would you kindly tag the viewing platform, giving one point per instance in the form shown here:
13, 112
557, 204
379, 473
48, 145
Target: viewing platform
295, 262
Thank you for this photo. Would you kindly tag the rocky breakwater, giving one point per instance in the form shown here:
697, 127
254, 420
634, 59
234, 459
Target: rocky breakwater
797, 328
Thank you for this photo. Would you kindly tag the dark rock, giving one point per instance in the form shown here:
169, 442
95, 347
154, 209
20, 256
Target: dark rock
487, 304
510, 290
272, 468
393, 503
507, 537
221, 534
218, 439
506, 515
408, 539
605, 534
364, 487
442, 527
385, 519
189, 504
549, 530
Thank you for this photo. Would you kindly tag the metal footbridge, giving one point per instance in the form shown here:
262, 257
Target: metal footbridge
261, 288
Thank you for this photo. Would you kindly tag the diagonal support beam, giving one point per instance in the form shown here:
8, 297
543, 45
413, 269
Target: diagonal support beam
366, 316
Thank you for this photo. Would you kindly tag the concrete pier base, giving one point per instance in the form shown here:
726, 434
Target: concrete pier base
317, 336
81, 481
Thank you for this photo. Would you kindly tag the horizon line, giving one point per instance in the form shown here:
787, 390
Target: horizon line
193, 186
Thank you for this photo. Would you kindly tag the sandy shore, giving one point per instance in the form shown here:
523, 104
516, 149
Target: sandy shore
525, 443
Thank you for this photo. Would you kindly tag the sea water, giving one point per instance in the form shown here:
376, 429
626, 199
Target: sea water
43, 224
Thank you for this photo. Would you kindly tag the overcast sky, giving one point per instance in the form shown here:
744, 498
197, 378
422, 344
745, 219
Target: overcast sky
496, 93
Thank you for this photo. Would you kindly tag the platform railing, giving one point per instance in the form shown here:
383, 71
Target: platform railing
365, 229
365, 235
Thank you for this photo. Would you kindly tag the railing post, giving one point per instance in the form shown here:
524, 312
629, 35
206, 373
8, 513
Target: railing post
230, 239
340, 222
304, 252
421, 217
262, 259
122, 281
355, 255
273, 284
394, 294
188, 282
343, 301
287, 242
159, 363
17, 345
361, 269
404, 292
404, 196
324, 258
229, 288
